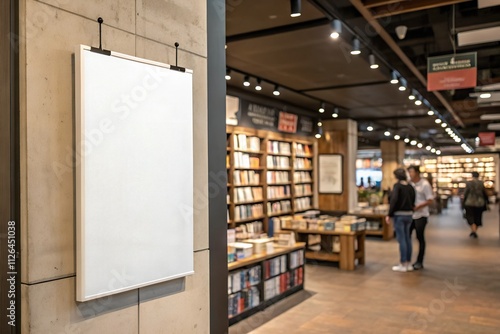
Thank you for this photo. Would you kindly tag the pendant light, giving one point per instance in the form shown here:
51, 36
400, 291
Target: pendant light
336, 29
296, 8
276, 91
356, 48
246, 81
373, 62
258, 86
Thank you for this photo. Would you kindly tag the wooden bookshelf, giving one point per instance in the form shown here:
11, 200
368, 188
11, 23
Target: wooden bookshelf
267, 278
279, 157
386, 231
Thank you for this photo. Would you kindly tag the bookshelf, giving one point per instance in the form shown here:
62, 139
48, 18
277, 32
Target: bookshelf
454, 171
269, 175
261, 280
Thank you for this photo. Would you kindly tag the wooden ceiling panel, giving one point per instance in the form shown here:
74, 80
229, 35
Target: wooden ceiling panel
246, 16
305, 59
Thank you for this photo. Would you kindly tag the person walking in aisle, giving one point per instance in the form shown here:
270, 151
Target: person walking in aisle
475, 202
424, 198
402, 201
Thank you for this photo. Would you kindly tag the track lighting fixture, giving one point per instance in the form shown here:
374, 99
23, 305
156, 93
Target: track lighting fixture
443, 125
438, 152
336, 29
369, 128
246, 81
430, 112
373, 62
322, 107
276, 91
335, 112
413, 143
296, 8
356, 47
258, 86
228, 74
420, 145
407, 140
412, 95
394, 78
418, 102
397, 137
387, 133
433, 150
438, 121
428, 147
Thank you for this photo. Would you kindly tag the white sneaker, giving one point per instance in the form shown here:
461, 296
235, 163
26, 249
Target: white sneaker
409, 268
400, 268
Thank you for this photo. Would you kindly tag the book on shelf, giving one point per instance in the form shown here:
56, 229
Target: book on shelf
302, 163
279, 207
302, 177
303, 190
303, 150
248, 230
302, 203
277, 177
248, 211
243, 300
246, 177
277, 147
278, 192
296, 259
278, 162
275, 266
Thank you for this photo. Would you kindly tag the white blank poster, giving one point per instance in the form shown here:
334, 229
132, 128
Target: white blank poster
134, 173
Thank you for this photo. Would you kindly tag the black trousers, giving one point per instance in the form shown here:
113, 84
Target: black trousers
419, 226
474, 215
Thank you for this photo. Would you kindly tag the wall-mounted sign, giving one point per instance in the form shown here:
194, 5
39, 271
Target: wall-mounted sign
486, 138
268, 118
452, 71
330, 174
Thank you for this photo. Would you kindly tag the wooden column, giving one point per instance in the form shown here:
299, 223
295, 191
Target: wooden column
393, 153
340, 137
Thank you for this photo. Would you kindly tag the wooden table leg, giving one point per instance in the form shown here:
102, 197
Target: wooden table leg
347, 252
361, 248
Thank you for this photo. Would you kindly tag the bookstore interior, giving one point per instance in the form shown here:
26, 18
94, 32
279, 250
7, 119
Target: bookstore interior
309, 166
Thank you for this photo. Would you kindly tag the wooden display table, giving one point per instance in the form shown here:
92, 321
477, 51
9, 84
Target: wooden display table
348, 253
387, 230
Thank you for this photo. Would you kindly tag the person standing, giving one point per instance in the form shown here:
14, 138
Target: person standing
475, 202
423, 198
402, 202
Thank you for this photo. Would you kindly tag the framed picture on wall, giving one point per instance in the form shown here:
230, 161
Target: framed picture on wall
330, 174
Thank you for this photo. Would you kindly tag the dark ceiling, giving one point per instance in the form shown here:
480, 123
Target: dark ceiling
298, 54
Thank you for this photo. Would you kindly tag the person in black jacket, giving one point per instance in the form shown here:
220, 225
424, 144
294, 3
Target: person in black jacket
402, 202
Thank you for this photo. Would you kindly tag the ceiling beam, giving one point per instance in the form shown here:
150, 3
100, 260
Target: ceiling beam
411, 6
404, 58
377, 3
345, 86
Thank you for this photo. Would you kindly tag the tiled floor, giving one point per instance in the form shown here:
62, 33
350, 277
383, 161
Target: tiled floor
458, 292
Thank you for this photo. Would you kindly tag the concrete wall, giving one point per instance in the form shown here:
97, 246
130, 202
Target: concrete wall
49, 32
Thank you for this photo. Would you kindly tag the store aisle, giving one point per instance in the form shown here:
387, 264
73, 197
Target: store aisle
458, 292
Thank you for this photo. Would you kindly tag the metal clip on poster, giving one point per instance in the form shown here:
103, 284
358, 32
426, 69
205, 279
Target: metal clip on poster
100, 49
177, 68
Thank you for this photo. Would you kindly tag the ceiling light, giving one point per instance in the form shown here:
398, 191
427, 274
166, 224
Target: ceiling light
413, 143
397, 137
418, 102
428, 147
433, 150
443, 125
369, 128
412, 95
320, 124
228, 74
394, 78
322, 107
407, 140
258, 87
318, 135
485, 95
335, 112
336, 29
420, 145
296, 8
276, 91
490, 117
430, 112
356, 50
401, 31
457, 140
387, 133
402, 85
494, 126
373, 63
246, 82
438, 120
438, 152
